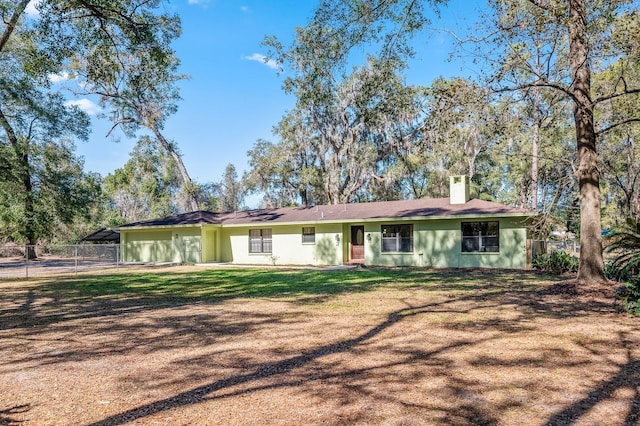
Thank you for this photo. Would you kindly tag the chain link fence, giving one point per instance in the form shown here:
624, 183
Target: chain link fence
74, 258
56, 259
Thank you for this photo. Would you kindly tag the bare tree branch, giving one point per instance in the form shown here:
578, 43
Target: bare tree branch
620, 123
119, 122
616, 95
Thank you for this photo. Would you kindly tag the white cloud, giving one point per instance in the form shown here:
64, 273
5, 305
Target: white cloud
60, 77
257, 57
244, 9
197, 1
31, 10
85, 105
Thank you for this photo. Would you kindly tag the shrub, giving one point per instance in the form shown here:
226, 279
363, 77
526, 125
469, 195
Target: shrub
614, 273
624, 241
557, 262
628, 297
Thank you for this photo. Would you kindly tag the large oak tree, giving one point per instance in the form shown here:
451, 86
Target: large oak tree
124, 42
588, 30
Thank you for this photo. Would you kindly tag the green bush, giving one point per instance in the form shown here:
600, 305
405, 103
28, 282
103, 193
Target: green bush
624, 242
628, 297
558, 262
613, 272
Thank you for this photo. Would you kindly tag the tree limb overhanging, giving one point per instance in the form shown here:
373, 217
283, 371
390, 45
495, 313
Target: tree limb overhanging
618, 124
13, 21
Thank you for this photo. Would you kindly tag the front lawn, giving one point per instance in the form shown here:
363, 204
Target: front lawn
270, 346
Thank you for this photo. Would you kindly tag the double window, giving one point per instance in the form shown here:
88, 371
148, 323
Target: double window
260, 240
308, 234
397, 238
480, 237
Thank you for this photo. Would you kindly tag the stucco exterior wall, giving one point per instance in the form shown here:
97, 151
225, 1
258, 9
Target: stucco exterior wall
187, 244
147, 245
177, 245
438, 244
288, 248
210, 251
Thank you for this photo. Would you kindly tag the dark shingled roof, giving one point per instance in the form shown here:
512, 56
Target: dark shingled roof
431, 207
191, 218
103, 235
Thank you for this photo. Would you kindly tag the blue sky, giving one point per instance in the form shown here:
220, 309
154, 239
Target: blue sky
233, 98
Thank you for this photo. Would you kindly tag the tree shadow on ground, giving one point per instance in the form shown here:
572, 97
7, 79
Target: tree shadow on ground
470, 408
281, 368
171, 331
7, 416
60, 300
627, 377
461, 295
109, 301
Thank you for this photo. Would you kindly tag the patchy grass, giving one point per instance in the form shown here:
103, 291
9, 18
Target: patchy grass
215, 284
275, 346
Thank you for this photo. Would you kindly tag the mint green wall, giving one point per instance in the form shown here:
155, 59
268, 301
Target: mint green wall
437, 243
187, 245
345, 239
147, 245
209, 245
179, 245
288, 248
513, 250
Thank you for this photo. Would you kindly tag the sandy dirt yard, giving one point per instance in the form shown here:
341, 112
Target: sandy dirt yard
429, 347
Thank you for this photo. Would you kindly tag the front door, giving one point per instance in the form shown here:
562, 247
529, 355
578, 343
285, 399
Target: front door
357, 243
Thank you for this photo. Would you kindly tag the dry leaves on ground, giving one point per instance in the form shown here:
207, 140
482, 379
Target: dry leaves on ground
508, 350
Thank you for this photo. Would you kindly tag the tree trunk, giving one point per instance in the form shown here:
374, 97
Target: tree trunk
29, 229
591, 267
11, 24
535, 143
21, 150
188, 184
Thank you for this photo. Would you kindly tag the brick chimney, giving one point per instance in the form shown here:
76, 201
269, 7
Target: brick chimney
458, 189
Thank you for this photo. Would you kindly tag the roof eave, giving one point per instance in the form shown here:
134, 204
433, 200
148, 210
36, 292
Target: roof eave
177, 225
381, 219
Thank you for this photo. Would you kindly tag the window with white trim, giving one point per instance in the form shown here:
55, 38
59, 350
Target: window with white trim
308, 234
260, 240
397, 238
481, 237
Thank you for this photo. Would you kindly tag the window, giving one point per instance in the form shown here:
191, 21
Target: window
480, 237
260, 240
397, 238
308, 235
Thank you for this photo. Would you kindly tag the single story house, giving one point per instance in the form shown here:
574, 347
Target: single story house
440, 232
